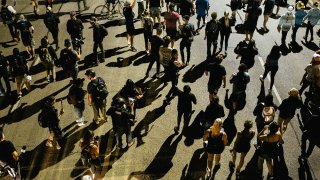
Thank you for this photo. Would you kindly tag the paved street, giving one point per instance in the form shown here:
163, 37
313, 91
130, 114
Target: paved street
158, 153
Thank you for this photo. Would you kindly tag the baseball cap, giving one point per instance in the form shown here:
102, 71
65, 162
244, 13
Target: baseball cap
290, 8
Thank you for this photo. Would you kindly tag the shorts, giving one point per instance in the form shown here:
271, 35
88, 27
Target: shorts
27, 41
155, 11
268, 8
130, 29
213, 89
199, 17
172, 33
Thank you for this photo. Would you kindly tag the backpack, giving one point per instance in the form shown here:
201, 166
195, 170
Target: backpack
239, 46
42, 119
147, 25
103, 31
67, 58
100, 89
240, 28
6, 15
45, 56
268, 113
213, 30
187, 32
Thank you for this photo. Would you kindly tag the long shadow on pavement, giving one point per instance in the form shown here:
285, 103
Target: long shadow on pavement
124, 62
194, 73
196, 167
195, 130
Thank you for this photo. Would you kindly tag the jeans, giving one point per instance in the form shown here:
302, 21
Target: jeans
185, 44
55, 36
284, 37
294, 32
273, 70
11, 29
99, 111
224, 37
73, 72
152, 60
209, 43
118, 135
95, 51
309, 28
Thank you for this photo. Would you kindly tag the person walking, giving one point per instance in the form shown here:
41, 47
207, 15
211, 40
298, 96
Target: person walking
202, 8
241, 145
141, 9
52, 21
211, 35
75, 28
271, 65
213, 111
165, 54
171, 18
7, 16
26, 31
288, 108
76, 98
53, 118
4, 74
309, 76
129, 15
47, 56
20, 71
99, 33
313, 17
97, 96
155, 9
269, 148
286, 21
248, 54
184, 107
147, 24
122, 116
217, 76
155, 43
186, 7
69, 60
299, 14
225, 31
268, 9
187, 32
216, 140
254, 11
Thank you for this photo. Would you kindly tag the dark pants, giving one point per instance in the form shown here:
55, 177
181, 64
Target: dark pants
304, 151
147, 37
95, 51
294, 32
55, 36
284, 37
152, 60
174, 83
273, 70
12, 29
185, 44
309, 28
5, 76
84, 4
186, 116
211, 42
140, 9
224, 37
73, 72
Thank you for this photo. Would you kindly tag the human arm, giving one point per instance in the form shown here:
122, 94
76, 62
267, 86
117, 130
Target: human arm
162, 3
224, 138
12, 10
194, 99
15, 155
224, 81
90, 99
262, 136
206, 135
94, 151
133, 3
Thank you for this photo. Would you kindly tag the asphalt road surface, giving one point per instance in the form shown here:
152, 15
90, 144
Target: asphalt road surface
158, 153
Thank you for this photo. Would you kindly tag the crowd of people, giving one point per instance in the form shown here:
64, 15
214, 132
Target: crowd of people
162, 51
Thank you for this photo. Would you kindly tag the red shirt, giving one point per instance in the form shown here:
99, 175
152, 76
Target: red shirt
171, 19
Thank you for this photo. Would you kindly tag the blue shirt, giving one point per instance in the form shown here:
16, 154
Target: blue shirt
201, 7
299, 15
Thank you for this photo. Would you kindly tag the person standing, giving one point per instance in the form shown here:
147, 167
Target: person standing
147, 24
202, 8
313, 17
248, 53
53, 118
99, 33
155, 43
69, 60
122, 115
86, 7
20, 69
216, 140
155, 9
7, 15
217, 76
187, 33
74, 28
211, 35
299, 15
76, 98
47, 56
184, 107
254, 12
225, 31
171, 18
129, 15
26, 31
52, 21
271, 65
97, 96
268, 8
241, 145
286, 21
4, 73
140, 9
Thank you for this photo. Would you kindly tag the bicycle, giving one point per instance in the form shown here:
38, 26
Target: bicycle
107, 12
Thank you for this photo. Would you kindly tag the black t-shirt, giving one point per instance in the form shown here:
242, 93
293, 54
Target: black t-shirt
77, 92
247, 55
120, 116
128, 14
185, 7
288, 107
154, 3
24, 27
91, 88
212, 29
74, 26
68, 58
156, 42
6, 149
19, 65
185, 101
217, 71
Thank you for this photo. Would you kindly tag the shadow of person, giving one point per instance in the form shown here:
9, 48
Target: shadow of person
250, 171
195, 130
310, 45
230, 127
280, 169
151, 91
162, 162
143, 125
197, 166
304, 169
124, 62
295, 47
194, 73
284, 49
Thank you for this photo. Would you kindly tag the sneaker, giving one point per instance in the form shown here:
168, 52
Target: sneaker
131, 143
49, 144
133, 49
81, 124
58, 147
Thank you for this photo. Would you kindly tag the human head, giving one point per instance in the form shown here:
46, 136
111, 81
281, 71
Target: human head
273, 127
316, 58
214, 15
215, 99
294, 93
167, 41
90, 74
159, 31
300, 5
217, 123
219, 58
242, 67
146, 13
73, 15
3, 2
50, 100
93, 20
78, 82
268, 100
186, 89
174, 53
171, 7
44, 41
67, 43
21, 17
226, 14
130, 83
15, 51
119, 102
186, 18
248, 124
290, 8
